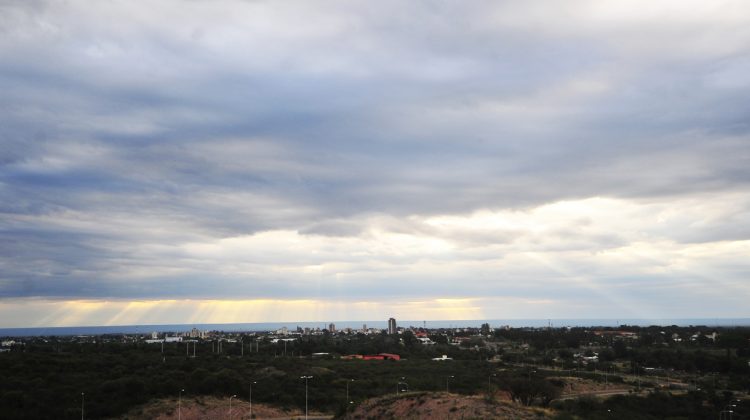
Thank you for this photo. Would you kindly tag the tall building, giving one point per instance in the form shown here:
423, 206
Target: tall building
332, 327
392, 326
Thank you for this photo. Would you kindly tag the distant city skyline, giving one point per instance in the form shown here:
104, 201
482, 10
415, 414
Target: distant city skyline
196, 162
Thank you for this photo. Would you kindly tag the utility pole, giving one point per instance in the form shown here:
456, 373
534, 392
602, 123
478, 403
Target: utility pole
179, 405
250, 400
305, 378
347, 389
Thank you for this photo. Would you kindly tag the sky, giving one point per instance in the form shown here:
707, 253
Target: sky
187, 161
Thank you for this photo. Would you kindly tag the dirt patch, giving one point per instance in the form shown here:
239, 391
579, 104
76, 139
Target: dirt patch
210, 408
442, 406
575, 386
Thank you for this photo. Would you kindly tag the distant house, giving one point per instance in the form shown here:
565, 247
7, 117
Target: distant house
442, 359
426, 341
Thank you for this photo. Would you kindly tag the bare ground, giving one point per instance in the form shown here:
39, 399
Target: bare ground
210, 408
577, 386
443, 406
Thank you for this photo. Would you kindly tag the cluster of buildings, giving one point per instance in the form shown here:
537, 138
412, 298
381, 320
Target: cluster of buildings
331, 329
5, 345
178, 338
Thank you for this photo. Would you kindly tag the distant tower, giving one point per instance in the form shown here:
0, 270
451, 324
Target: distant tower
392, 326
332, 327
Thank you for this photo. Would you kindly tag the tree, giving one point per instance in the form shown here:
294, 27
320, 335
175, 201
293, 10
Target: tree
620, 349
526, 390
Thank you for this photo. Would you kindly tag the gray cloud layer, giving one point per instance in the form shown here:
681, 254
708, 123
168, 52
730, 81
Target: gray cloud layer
129, 132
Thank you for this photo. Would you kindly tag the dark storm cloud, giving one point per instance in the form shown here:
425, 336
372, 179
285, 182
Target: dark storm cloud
128, 133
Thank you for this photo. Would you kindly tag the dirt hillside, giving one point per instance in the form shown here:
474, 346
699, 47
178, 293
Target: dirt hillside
442, 406
210, 408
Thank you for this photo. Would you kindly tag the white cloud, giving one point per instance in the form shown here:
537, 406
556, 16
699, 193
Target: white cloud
542, 153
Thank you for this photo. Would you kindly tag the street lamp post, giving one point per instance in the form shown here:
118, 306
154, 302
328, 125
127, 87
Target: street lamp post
606, 384
399, 383
347, 389
306, 378
447, 380
83, 398
230, 405
179, 405
251, 398
728, 410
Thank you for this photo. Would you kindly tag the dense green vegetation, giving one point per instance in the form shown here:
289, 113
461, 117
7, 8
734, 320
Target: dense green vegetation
38, 383
44, 377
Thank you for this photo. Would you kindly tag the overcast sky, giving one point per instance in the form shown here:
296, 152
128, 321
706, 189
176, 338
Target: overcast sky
248, 161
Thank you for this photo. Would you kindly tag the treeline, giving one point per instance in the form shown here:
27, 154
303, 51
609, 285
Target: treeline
654, 347
573, 338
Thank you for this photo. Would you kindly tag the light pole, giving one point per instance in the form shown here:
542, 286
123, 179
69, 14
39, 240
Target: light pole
347, 389
306, 378
251, 398
447, 380
179, 405
489, 383
83, 398
230, 405
728, 409
606, 384
399, 383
